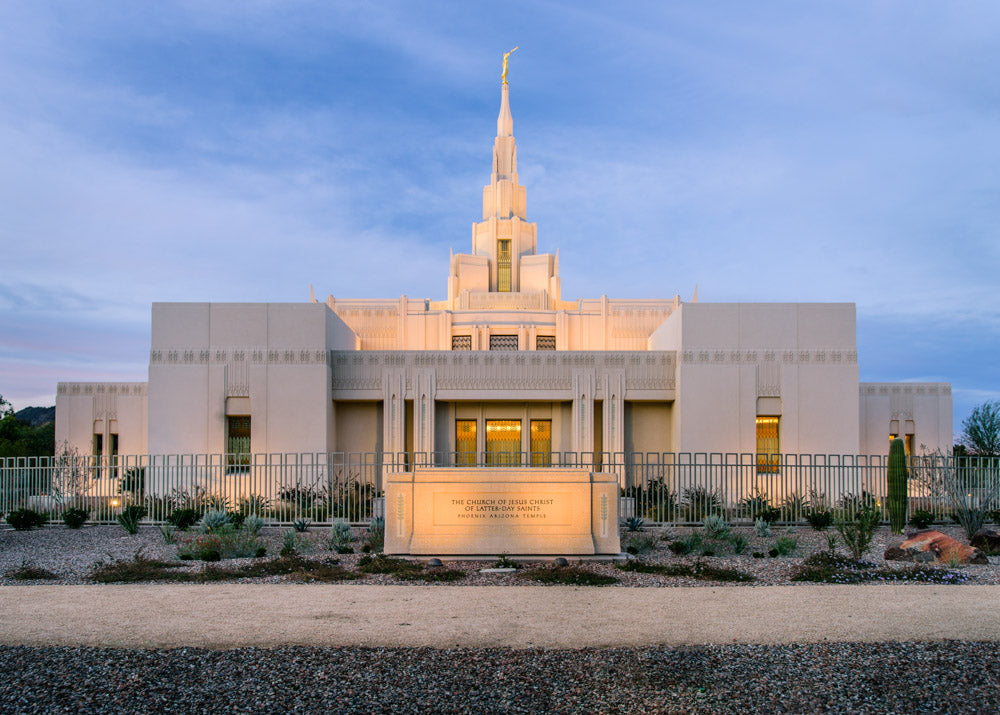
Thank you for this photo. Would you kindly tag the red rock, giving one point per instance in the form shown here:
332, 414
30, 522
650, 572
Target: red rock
944, 548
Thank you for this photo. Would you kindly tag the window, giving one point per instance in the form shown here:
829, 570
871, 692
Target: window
545, 342
768, 446
503, 443
503, 265
98, 445
238, 444
503, 342
465, 443
113, 461
541, 443
461, 342
907, 441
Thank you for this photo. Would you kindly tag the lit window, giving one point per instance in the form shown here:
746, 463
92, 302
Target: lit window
545, 342
465, 443
503, 265
503, 443
503, 342
541, 443
238, 444
768, 445
461, 342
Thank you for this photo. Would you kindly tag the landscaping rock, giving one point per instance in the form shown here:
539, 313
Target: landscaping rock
986, 539
931, 545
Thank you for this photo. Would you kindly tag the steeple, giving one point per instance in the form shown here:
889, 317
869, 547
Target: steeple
505, 123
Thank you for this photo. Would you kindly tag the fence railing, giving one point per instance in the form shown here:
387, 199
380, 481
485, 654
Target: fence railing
666, 488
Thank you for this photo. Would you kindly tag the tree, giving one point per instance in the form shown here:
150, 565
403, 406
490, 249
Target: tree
5, 408
981, 430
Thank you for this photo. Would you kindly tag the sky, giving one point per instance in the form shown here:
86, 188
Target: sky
840, 151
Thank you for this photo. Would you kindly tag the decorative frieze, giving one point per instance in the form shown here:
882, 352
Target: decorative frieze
101, 388
243, 355
787, 357
483, 370
904, 388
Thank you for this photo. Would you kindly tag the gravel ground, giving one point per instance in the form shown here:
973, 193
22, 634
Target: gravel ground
943, 677
72, 554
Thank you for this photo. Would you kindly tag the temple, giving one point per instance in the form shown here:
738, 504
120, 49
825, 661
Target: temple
502, 365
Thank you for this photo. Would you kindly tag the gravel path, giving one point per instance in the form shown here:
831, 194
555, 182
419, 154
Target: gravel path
948, 677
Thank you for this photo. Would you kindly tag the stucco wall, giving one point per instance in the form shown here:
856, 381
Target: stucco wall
921, 409
268, 359
800, 357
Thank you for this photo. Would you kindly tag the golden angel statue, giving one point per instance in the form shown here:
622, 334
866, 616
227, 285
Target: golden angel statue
506, 56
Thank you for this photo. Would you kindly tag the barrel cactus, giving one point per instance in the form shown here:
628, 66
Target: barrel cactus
896, 493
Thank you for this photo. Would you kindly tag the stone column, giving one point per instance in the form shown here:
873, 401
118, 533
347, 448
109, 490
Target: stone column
583, 411
425, 389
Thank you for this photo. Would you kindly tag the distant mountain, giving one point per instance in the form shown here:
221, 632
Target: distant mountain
36, 416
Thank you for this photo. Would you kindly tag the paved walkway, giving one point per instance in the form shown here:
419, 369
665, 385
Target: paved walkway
235, 615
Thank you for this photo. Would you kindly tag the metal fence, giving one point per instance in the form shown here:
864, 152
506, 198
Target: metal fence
665, 488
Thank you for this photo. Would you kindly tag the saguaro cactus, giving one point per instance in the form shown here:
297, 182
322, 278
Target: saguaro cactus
896, 493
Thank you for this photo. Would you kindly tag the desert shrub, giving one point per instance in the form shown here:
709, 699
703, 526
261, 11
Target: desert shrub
183, 518
289, 544
716, 527
657, 502
215, 520
252, 524
569, 575
25, 519
236, 518
640, 544
699, 502
130, 517
703, 572
852, 504
133, 482
505, 562
762, 528
168, 533
751, 507
682, 547
969, 488
785, 545
859, 532
634, 523
794, 507
30, 572
301, 525
375, 536
921, 519
824, 567
74, 517
340, 538
820, 519
739, 543
139, 568
226, 543
255, 505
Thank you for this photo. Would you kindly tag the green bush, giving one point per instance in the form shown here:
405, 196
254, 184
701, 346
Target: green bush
130, 517
226, 543
375, 536
820, 519
921, 519
25, 519
785, 545
340, 538
699, 502
183, 518
859, 532
640, 544
74, 518
716, 527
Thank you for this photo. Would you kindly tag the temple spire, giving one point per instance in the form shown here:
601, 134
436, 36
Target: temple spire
505, 123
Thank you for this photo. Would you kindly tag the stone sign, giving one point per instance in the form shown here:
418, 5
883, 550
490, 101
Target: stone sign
489, 510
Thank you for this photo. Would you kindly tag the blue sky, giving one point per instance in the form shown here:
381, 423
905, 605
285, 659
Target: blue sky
766, 151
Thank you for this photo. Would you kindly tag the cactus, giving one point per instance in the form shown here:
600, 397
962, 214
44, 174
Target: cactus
896, 493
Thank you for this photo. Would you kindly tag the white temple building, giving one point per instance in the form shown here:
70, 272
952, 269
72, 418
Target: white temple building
502, 364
